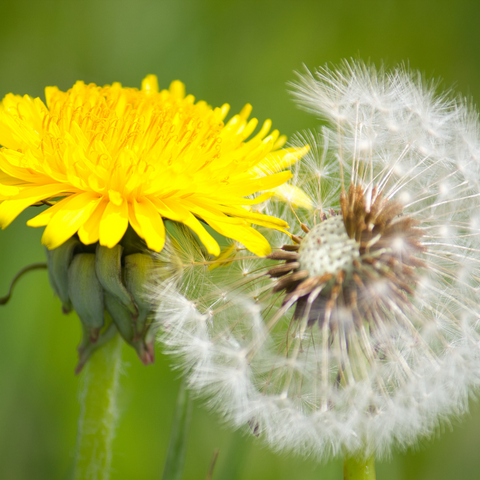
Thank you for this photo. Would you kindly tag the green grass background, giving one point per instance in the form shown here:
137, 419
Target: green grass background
225, 51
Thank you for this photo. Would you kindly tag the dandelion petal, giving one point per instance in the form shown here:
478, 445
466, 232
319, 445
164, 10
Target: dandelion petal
89, 232
69, 216
150, 223
113, 224
251, 238
10, 209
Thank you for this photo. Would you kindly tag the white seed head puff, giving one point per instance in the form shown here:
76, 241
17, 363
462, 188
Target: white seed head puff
360, 332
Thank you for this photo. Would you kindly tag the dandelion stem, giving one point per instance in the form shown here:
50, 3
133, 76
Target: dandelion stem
34, 266
98, 412
178, 440
359, 469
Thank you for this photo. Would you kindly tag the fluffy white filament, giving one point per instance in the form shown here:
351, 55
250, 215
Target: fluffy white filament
357, 389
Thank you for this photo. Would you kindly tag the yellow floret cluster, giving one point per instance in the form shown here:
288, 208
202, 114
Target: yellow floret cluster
104, 158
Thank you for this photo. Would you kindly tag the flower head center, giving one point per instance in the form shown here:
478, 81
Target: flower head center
355, 264
327, 248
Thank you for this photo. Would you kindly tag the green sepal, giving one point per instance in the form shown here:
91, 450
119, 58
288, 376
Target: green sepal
138, 271
86, 293
58, 261
132, 243
108, 265
125, 325
120, 315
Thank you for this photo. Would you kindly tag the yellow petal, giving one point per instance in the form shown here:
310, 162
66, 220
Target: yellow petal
20, 120
132, 219
207, 211
44, 217
115, 197
150, 84
8, 190
281, 141
209, 242
241, 213
170, 209
231, 200
9, 164
70, 215
243, 186
294, 195
180, 214
8, 180
246, 111
151, 224
280, 159
177, 89
50, 93
113, 224
89, 232
251, 201
251, 238
10, 209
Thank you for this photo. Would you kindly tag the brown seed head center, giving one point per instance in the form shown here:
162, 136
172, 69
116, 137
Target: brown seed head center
354, 266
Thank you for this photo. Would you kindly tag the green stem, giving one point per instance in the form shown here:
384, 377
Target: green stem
359, 468
98, 412
178, 439
34, 266
237, 456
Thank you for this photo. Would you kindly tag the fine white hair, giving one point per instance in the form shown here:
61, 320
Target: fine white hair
358, 389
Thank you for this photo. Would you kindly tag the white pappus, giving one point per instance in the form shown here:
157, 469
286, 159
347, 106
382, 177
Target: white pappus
360, 332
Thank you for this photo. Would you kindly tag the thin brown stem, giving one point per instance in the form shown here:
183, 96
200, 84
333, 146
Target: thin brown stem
34, 266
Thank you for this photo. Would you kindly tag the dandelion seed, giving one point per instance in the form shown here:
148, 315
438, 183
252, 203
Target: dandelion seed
361, 333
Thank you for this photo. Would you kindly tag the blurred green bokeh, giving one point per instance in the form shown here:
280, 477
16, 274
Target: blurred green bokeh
225, 51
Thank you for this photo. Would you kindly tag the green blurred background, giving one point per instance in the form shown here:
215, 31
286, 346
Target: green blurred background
225, 51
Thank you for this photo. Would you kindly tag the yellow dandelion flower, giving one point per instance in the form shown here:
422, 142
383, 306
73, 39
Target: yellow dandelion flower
103, 158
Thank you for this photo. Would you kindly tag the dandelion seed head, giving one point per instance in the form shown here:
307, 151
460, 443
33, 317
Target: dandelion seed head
360, 332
